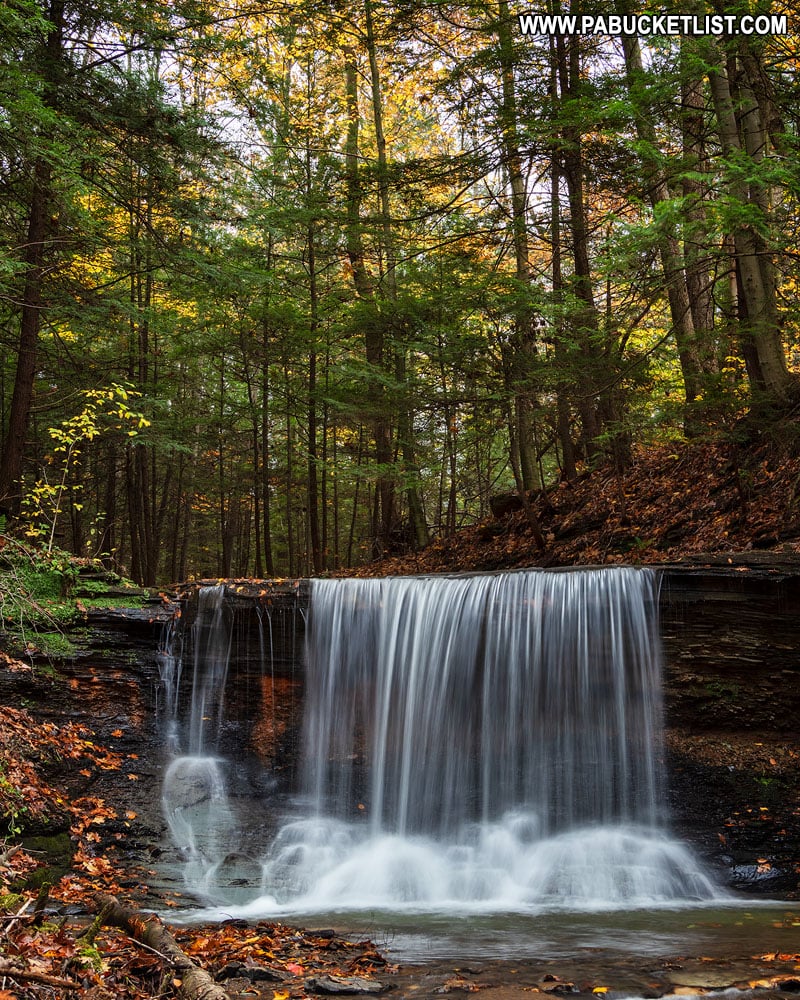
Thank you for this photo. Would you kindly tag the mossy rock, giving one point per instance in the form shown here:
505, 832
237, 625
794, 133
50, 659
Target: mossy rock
55, 848
56, 851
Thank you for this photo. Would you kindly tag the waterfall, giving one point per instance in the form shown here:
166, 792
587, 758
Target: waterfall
194, 792
485, 742
467, 698
211, 642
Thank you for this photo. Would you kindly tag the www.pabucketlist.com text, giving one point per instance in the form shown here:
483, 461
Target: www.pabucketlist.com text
654, 24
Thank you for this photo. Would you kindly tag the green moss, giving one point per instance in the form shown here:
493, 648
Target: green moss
89, 957
55, 645
57, 847
42, 593
723, 690
115, 600
56, 851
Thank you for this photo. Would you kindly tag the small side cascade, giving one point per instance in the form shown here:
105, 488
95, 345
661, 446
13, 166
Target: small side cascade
221, 676
194, 792
170, 671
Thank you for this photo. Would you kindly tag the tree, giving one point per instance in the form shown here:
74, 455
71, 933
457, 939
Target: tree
42, 49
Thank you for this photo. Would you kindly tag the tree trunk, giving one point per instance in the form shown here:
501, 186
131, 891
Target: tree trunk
757, 290
22, 398
584, 322
568, 462
313, 474
524, 352
599, 402
696, 258
672, 262
266, 452
373, 326
416, 516
13, 451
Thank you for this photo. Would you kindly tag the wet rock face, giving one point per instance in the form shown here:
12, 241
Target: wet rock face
732, 651
732, 696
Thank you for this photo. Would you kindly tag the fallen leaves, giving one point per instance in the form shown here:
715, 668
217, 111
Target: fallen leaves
605, 517
91, 962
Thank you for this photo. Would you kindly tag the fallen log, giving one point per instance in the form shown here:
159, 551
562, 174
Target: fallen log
190, 980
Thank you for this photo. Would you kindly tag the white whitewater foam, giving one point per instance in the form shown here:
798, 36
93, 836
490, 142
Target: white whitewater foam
321, 865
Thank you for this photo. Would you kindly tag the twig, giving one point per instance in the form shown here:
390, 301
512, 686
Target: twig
170, 962
37, 977
16, 916
9, 854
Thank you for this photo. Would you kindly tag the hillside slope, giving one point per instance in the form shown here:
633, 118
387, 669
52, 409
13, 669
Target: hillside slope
674, 504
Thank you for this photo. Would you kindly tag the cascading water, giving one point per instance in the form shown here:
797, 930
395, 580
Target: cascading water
473, 697
194, 793
487, 742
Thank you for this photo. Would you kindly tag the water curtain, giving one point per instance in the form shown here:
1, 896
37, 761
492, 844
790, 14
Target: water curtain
465, 698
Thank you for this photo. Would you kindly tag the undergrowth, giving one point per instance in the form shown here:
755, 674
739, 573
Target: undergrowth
42, 594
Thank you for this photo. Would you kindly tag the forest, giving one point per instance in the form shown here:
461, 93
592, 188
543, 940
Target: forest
289, 286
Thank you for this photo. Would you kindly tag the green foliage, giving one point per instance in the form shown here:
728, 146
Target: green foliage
14, 808
105, 412
206, 231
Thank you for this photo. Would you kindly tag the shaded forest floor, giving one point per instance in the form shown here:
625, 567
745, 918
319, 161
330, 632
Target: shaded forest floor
674, 503
62, 853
